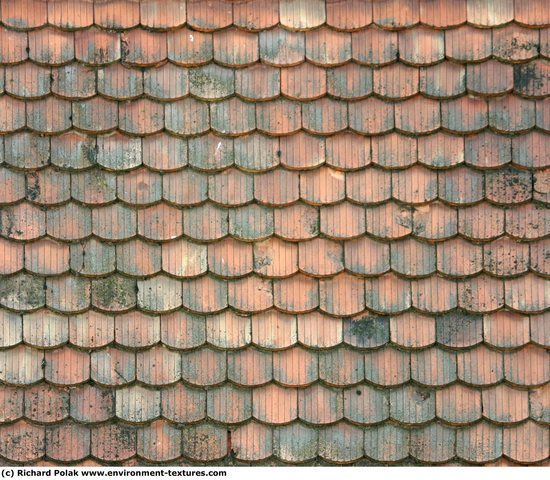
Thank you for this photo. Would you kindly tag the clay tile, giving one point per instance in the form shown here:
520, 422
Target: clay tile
439, 14
324, 116
480, 366
327, 47
394, 150
387, 443
159, 442
251, 222
12, 403
506, 329
417, 115
415, 185
17, 50
412, 258
232, 117
387, 366
434, 443
23, 442
479, 443
11, 257
181, 258
22, 292
28, 80
209, 16
350, 81
59, 436
412, 404
295, 367
112, 366
302, 151
524, 47
342, 295
160, 222
435, 221
274, 404
526, 222
45, 329
322, 186
279, 117
341, 367
487, 150
167, 82
71, 14
511, 114
459, 329
51, 46
424, 299
204, 442
466, 114
275, 258
250, 294
21, 365
46, 403
97, 47
433, 366
540, 329
70, 150
259, 15
457, 257
26, 14
443, 80
158, 366
14, 186
489, 78
413, 330
47, 257
187, 117
318, 330
274, 330
249, 367
258, 82
505, 257
481, 294
320, 405
69, 222
159, 294
541, 186
211, 152
490, 14
540, 257
183, 330
94, 186
140, 187
91, 329
526, 443
118, 151
321, 257
281, 47
95, 115
342, 221
504, 404
396, 81
68, 293
137, 404
396, 14
370, 185
113, 442
533, 14
421, 46
233, 47
297, 222
278, 187
303, 82
229, 258
142, 47
117, 14
141, 117
115, 222
525, 76
389, 221
373, 46
206, 222
114, 293
229, 404
182, 404
189, 47
205, 294
539, 403
301, 14
48, 186
461, 185
371, 116
470, 225
365, 404
350, 15
253, 442
185, 187
466, 44
50, 115
527, 294
65, 366
366, 330
12, 116
205, 366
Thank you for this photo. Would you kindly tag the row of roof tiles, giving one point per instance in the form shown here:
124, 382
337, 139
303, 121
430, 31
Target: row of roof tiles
294, 443
275, 258
296, 366
262, 82
272, 404
293, 14
233, 117
208, 222
234, 47
259, 153
417, 185
274, 330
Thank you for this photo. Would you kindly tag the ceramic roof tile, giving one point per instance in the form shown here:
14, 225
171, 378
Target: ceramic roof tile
526, 443
295, 151
275, 258
22, 292
106, 444
226, 53
45, 329
12, 257
51, 46
31, 448
240, 116
256, 15
488, 14
374, 46
412, 404
413, 258
159, 442
350, 81
434, 443
413, 330
479, 443
449, 253
189, 47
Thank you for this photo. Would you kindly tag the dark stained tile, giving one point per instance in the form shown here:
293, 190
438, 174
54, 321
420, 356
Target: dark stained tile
295, 443
281, 47
461, 185
205, 366
458, 329
181, 403
59, 436
523, 48
12, 404
204, 442
187, 117
481, 294
69, 293
113, 442
387, 443
23, 441
531, 78
92, 257
46, 404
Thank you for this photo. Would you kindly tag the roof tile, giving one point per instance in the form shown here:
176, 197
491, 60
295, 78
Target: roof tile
526, 443
66, 366
234, 47
488, 14
250, 294
111, 366
92, 257
28, 80
159, 442
17, 42
481, 294
232, 117
421, 46
274, 330
22, 292
466, 43
256, 15
24, 15
387, 443
185, 187
204, 367
114, 222
374, 46
387, 366
461, 185
228, 330
69, 293
480, 366
12, 404
450, 253
412, 258
47, 257
106, 442
412, 404
324, 116
46, 404
511, 114
319, 330
45, 329
91, 330
433, 366
249, 367
258, 82
23, 441
366, 256
187, 117
481, 442
342, 221
434, 443
137, 404
142, 47
381, 121
275, 258
295, 367
253, 442
91, 404
342, 295
439, 14
12, 257
204, 442
301, 151
274, 404
413, 330
213, 15
51, 46
229, 404
21, 365
424, 298
320, 405
168, 81
189, 47
350, 81
295, 443
503, 404
281, 47
141, 117
173, 15
296, 294
183, 404
159, 294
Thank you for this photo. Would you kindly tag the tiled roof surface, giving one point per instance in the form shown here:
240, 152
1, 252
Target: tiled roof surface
288, 231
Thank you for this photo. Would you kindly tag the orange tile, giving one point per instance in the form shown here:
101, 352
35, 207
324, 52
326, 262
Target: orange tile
417, 115
363, 120
301, 151
416, 185
342, 295
252, 441
421, 46
158, 366
228, 330
301, 14
387, 366
320, 405
141, 117
24, 15
14, 185
66, 366
461, 185
480, 366
181, 403
389, 220
189, 47
424, 298
394, 150
235, 48
250, 294
168, 81
250, 367
44, 328
504, 404
274, 330
439, 14
232, 117
468, 44
295, 367
413, 330
194, 363
281, 47
433, 366
28, 80
349, 15
229, 404
387, 443
106, 444
350, 81
458, 257
321, 257
258, 81
527, 294
159, 442
18, 46
258, 15
435, 221
488, 14
208, 16
274, 404
136, 330
369, 185
21, 365
470, 225
479, 443
374, 46
91, 330
139, 186
159, 294
11, 257
412, 258
162, 15
533, 14
187, 117
324, 116
142, 47
328, 47
279, 117
91, 404
275, 258
46, 404
160, 222
12, 404
511, 114
13, 114
506, 329
138, 258
526, 443
387, 294
23, 441
69, 293
58, 437
185, 187
342, 221
51, 46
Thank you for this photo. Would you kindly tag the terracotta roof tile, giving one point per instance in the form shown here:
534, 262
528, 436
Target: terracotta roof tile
413, 258
142, 47
189, 47
526, 442
106, 442
275, 258
413, 330
374, 46
241, 116
225, 53
45, 329
31, 448
204, 442
256, 15
159, 442
295, 151
449, 253
421, 46
434, 443
487, 14
275, 404
412, 404
350, 81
